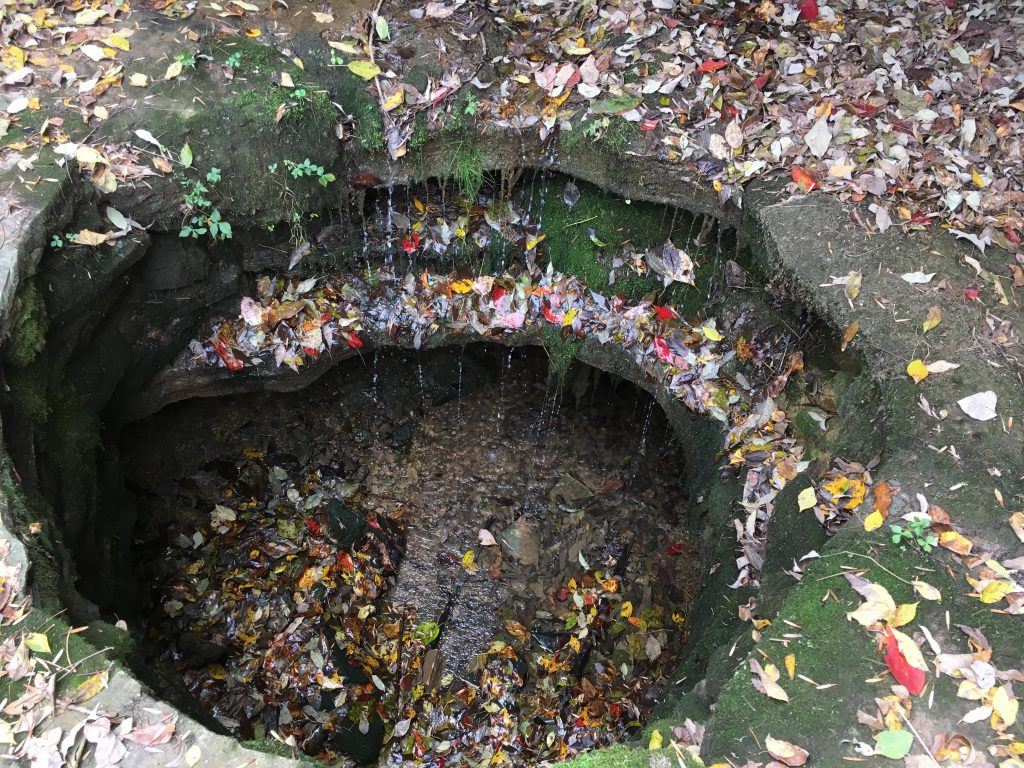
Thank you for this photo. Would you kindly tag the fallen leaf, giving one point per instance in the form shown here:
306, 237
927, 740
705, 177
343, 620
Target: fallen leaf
942, 366
364, 68
980, 405
894, 744
873, 521
90, 687
785, 752
766, 683
926, 590
918, 278
1017, 523
932, 318
917, 370
790, 662
153, 734
37, 642
905, 662
806, 499
848, 334
656, 740
955, 542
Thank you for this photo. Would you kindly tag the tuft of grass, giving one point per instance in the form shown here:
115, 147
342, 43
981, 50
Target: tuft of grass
468, 169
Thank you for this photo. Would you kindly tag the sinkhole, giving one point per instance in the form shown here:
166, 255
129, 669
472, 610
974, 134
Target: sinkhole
433, 556
448, 477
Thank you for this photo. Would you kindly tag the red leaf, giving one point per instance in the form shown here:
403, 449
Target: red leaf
562, 595
551, 317
497, 293
222, 349
344, 561
649, 125
712, 65
912, 678
661, 350
314, 353
313, 525
675, 549
411, 243
353, 341
970, 292
665, 313
809, 10
803, 179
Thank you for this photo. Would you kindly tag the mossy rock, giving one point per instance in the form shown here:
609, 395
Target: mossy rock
29, 325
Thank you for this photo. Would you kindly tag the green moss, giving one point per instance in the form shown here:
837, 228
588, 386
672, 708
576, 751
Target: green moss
620, 136
29, 390
279, 749
561, 353
620, 225
28, 326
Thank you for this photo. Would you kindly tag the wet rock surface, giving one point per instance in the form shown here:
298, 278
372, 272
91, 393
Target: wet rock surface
540, 591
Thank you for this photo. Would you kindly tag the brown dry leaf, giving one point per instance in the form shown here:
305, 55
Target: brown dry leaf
152, 734
848, 334
785, 752
766, 682
932, 318
955, 542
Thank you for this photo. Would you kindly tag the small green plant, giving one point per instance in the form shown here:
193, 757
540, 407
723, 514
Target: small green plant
59, 242
186, 59
234, 60
308, 168
299, 94
336, 60
204, 218
472, 104
916, 531
469, 170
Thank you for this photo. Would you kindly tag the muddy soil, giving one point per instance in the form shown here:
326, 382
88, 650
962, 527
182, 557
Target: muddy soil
512, 499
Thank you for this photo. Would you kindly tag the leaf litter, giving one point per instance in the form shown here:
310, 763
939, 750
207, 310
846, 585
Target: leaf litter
287, 624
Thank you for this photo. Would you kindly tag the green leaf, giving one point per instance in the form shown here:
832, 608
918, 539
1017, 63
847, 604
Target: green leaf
427, 632
613, 105
186, 156
381, 25
364, 68
894, 744
37, 642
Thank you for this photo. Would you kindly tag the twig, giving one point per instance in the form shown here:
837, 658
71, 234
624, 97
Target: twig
868, 557
919, 739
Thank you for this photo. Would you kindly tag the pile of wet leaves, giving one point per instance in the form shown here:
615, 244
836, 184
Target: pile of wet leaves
311, 591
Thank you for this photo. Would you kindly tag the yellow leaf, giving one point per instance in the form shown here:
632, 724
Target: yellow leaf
120, 42
394, 100
807, 498
932, 318
575, 644
192, 755
469, 561
1004, 708
878, 604
173, 70
286, 80
790, 661
904, 614
89, 16
626, 609
252, 32
569, 317
364, 68
873, 521
955, 542
995, 591
37, 642
909, 649
917, 370
710, 333
533, 242
978, 179
139, 80
1017, 523
656, 740
462, 286
92, 686
14, 57
926, 590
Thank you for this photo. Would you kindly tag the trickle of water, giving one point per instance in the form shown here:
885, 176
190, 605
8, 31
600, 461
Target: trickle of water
647, 426
458, 396
503, 373
375, 390
423, 386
